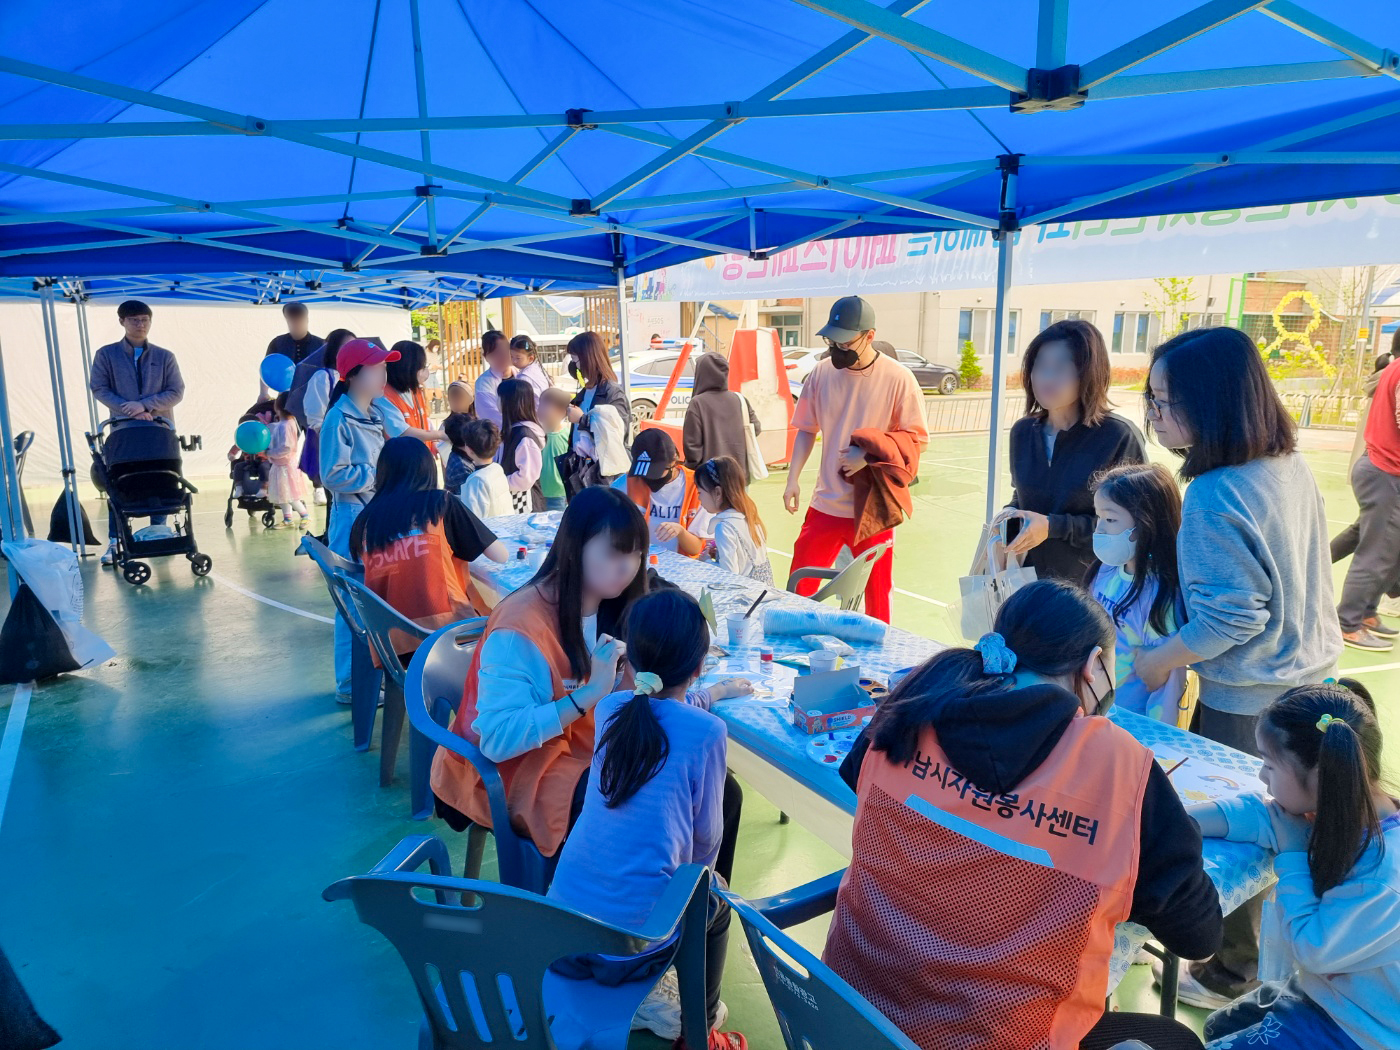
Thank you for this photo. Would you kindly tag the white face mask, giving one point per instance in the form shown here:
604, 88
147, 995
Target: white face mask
1115, 550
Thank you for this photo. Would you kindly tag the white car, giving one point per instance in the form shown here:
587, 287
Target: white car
800, 360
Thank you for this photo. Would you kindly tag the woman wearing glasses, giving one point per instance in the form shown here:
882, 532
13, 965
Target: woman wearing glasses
1067, 436
1255, 571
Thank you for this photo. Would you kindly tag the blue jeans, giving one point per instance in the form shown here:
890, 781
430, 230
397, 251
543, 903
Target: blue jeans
555, 502
156, 519
343, 515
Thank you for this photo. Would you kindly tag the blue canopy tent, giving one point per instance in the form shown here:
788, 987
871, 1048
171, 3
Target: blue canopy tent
587, 140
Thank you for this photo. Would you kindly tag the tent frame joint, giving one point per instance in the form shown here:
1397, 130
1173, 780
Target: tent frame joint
1050, 91
574, 119
426, 191
582, 206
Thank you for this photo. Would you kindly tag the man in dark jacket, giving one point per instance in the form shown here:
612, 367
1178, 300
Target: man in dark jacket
297, 342
714, 419
135, 379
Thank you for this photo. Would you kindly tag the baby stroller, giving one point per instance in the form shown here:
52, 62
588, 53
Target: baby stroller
249, 474
138, 465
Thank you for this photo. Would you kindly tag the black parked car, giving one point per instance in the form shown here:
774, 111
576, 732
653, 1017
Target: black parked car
932, 378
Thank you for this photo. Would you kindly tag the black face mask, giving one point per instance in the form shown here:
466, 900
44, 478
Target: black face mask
1104, 703
574, 372
657, 484
843, 357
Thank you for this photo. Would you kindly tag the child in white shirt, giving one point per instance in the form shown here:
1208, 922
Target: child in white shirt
1330, 941
485, 490
740, 544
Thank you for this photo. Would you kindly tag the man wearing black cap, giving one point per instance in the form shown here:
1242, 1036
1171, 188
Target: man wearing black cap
135, 379
665, 491
854, 387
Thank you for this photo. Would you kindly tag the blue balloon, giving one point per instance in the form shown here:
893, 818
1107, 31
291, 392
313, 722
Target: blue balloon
277, 371
252, 437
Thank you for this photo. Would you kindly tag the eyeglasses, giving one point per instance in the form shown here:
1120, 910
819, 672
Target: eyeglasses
1156, 406
832, 344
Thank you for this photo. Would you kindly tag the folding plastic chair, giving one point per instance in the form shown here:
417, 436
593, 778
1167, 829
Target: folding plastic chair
848, 584
380, 619
481, 968
437, 675
432, 689
365, 679
816, 1009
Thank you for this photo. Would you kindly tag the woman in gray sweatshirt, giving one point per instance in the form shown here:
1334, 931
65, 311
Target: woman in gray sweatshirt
1256, 570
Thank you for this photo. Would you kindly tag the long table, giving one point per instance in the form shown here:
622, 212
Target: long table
771, 754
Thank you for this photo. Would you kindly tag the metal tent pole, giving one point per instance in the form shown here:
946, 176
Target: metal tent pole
60, 409
622, 340
11, 512
85, 344
1005, 237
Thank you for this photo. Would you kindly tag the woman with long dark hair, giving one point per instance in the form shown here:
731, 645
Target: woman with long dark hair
415, 542
550, 652
989, 775
658, 798
1067, 436
405, 401
522, 445
1255, 569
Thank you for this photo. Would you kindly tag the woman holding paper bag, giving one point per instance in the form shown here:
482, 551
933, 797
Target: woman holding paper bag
1067, 436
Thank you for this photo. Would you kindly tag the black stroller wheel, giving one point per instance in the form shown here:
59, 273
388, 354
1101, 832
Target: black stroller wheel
269, 519
200, 564
136, 572
228, 518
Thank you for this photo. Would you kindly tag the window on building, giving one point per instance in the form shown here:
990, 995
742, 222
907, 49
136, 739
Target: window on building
1203, 321
1049, 317
789, 328
1135, 332
976, 324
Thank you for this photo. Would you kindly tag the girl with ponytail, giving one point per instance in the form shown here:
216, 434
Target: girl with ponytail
1331, 934
658, 797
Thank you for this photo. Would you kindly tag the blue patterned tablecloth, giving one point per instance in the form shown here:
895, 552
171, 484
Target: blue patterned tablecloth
763, 724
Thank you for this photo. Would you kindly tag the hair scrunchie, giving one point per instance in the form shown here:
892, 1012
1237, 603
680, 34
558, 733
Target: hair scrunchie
647, 684
997, 657
1325, 722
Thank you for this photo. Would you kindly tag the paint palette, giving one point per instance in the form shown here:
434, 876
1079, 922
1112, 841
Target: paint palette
831, 749
877, 691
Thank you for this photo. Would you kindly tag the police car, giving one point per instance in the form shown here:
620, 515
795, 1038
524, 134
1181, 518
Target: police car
649, 373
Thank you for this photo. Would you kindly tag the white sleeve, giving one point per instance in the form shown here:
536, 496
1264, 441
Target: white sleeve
318, 394
515, 711
529, 461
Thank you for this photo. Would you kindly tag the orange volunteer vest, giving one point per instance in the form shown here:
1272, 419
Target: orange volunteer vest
975, 921
419, 576
540, 783
415, 411
638, 492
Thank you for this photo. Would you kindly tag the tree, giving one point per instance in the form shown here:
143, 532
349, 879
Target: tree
969, 368
427, 322
1172, 294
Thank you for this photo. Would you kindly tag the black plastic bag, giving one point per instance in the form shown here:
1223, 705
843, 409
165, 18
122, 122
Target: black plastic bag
58, 524
32, 646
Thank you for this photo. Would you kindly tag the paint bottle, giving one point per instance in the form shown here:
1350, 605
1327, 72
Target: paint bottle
521, 553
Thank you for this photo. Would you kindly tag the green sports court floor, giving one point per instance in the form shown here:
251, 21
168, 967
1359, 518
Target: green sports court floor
173, 816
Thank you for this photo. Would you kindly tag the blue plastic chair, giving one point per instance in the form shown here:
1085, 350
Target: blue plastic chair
481, 967
816, 1010
365, 678
437, 675
380, 620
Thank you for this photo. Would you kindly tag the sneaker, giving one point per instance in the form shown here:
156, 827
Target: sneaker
320, 497
1191, 991
109, 556
305, 522
342, 698
1389, 607
660, 1012
285, 523
1363, 639
1381, 630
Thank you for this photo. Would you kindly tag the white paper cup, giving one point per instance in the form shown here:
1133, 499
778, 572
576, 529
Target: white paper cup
738, 629
821, 660
535, 557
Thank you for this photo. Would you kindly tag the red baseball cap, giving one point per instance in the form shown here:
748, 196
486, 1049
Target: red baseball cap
362, 352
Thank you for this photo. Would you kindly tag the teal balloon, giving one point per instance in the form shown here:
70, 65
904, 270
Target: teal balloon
252, 437
277, 371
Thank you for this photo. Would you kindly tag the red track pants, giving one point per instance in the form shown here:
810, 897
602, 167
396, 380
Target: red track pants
821, 540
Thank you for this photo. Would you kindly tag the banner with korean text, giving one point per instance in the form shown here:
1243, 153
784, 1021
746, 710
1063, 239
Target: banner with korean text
1352, 231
